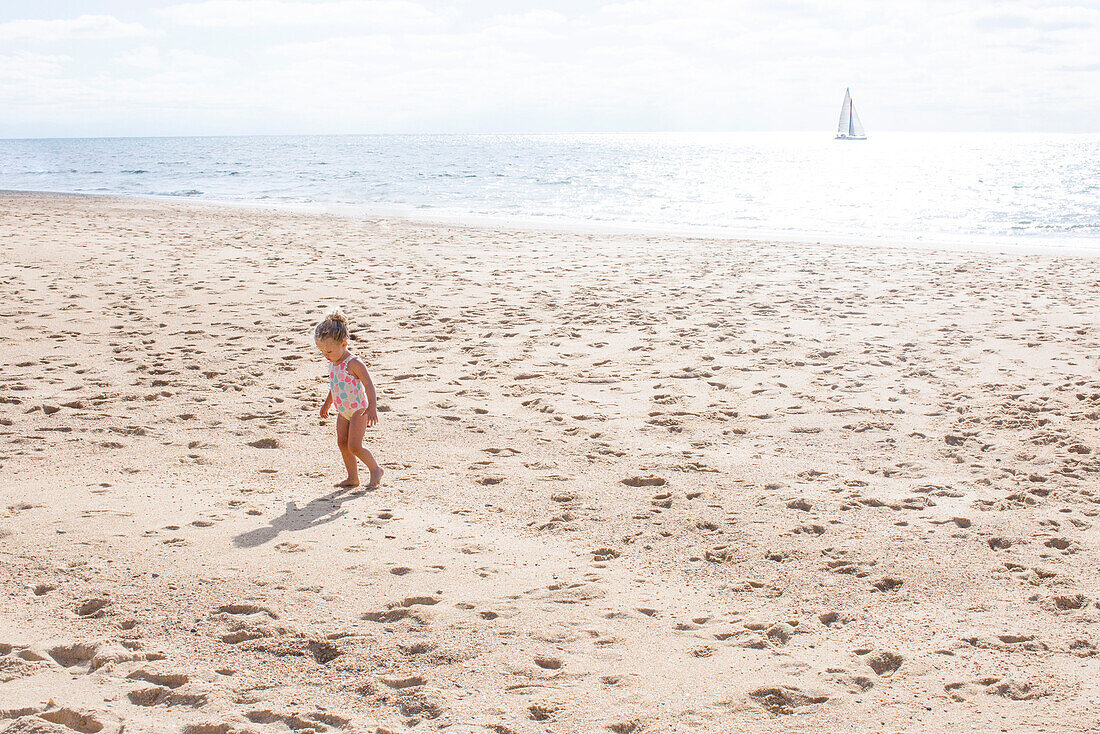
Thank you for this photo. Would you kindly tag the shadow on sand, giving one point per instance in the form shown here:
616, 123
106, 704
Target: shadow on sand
316, 512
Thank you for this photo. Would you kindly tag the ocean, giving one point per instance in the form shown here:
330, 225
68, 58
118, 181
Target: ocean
1006, 189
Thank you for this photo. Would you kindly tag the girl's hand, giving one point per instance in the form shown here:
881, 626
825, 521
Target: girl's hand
372, 416
324, 410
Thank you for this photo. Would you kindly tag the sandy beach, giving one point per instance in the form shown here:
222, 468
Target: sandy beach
633, 484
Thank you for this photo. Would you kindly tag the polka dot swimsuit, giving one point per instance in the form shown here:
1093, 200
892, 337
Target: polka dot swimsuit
348, 393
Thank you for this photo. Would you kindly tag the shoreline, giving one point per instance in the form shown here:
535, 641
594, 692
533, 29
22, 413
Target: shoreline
1069, 246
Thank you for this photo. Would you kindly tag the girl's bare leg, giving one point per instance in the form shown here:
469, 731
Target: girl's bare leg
355, 445
343, 427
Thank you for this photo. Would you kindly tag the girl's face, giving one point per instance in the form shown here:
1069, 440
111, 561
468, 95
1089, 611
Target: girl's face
333, 350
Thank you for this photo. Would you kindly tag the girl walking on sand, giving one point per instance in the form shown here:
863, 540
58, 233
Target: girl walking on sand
351, 392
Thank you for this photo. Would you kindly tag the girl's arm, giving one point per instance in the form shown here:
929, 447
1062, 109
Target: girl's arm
327, 404
357, 368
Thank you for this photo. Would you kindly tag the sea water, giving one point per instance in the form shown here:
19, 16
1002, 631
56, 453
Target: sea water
1010, 188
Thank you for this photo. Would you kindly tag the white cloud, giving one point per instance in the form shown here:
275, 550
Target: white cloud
410, 65
191, 66
142, 57
1011, 16
257, 13
540, 19
699, 63
84, 27
633, 9
24, 66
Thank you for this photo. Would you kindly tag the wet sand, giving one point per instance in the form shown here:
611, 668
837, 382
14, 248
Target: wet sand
633, 484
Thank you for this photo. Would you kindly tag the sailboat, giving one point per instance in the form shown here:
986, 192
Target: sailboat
850, 128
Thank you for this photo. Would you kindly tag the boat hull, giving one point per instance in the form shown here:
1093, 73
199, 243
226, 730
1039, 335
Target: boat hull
850, 137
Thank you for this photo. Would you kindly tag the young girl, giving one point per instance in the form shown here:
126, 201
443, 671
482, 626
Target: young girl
352, 393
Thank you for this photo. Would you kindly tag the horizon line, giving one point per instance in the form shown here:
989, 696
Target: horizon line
530, 132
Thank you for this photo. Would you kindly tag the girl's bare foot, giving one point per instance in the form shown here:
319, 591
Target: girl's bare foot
349, 482
376, 478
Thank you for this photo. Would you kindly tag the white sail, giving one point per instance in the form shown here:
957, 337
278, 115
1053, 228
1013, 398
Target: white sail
849, 127
856, 128
845, 115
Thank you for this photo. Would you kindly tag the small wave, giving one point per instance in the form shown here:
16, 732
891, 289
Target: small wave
750, 183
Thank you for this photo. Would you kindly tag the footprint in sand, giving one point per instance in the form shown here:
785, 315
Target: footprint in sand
416, 647
506, 451
854, 683
400, 682
68, 718
785, 699
388, 615
163, 680
92, 608
834, 619
840, 564
650, 481
547, 662
1065, 545
314, 721
887, 584
158, 696
718, 554
781, 555
1069, 602
884, 663
93, 656
1015, 690
246, 608
71, 656
245, 633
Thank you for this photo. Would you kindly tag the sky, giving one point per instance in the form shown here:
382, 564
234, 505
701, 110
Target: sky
212, 67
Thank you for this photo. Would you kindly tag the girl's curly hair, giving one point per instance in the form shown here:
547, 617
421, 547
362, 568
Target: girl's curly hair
334, 328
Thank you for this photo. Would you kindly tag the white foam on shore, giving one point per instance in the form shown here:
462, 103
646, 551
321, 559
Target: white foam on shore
1023, 245
1085, 246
